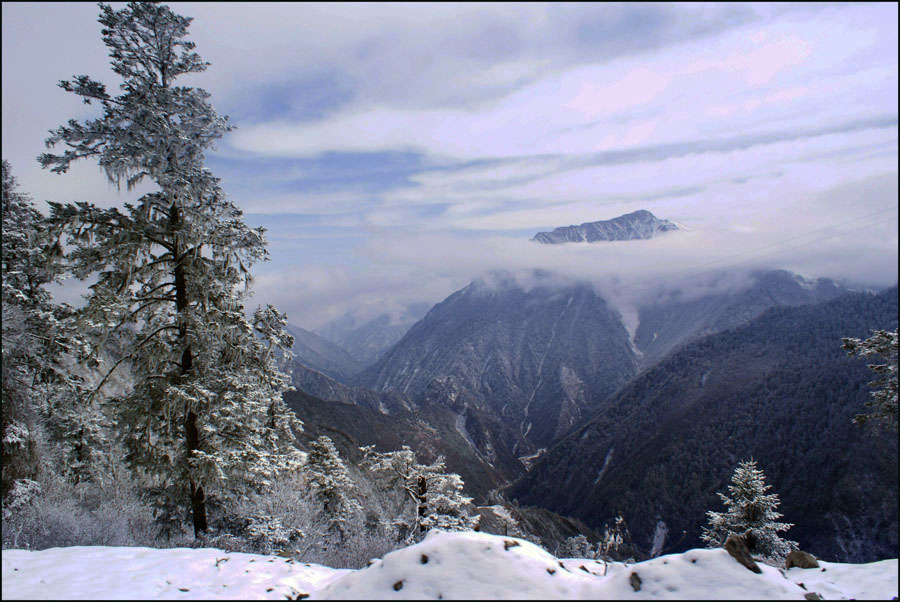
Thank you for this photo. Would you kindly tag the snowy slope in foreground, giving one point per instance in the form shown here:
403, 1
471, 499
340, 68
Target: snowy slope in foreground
444, 565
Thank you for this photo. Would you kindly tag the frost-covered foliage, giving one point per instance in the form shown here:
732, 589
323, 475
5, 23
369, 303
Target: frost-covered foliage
612, 539
510, 525
576, 546
332, 485
204, 421
55, 512
882, 344
289, 520
38, 384
432, 498
23, 296
751, 515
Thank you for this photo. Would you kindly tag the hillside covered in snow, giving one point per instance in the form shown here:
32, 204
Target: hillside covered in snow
461, 565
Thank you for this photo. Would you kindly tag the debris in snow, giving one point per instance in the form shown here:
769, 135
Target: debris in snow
735, 546
800, 559
635, 581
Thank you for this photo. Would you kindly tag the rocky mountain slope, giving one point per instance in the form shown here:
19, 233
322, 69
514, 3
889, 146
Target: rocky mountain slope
632, 226
778, 389
322, 386
432, 430
322, 355
537, 358
366, 339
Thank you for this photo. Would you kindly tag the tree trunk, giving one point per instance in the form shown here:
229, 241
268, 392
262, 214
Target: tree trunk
198, 498
420, 495
191, 432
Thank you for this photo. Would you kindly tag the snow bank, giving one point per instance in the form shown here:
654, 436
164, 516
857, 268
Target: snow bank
106, 573
477, 565
462, 566
445, 565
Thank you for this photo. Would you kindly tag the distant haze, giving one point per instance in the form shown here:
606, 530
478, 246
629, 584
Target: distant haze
396, 151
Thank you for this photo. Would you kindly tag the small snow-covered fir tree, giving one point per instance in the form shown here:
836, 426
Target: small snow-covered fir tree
434, 498
882, 344
205, 420
332, 485
751, 515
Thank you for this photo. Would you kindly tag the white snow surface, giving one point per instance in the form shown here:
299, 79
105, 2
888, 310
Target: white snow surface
444, 566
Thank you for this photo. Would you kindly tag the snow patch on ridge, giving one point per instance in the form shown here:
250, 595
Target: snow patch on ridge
461, 429
605, 465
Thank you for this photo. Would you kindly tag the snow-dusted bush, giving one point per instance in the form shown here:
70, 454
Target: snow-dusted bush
576, 546
612, 539
54, 512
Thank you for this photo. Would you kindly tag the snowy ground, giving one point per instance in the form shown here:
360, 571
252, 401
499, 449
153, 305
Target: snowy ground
445, 565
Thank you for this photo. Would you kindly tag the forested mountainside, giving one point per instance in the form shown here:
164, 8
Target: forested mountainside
671, 321
322, 355
536, 359
542, 355
778, 389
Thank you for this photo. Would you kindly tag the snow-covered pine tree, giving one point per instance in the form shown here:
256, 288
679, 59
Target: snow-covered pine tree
205, 420
332, 485
751, 515
21, 291
882, 344
36, 381
434, 498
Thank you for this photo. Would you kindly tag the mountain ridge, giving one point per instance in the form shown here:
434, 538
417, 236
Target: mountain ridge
638, 225
322, 355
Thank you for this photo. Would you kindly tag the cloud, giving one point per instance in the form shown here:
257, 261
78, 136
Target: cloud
807, 235
590, 107
808, 224
394, 152
318, 293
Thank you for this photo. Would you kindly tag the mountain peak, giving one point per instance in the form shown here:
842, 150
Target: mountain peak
639, 225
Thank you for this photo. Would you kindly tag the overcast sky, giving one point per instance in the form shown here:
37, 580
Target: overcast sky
394, 152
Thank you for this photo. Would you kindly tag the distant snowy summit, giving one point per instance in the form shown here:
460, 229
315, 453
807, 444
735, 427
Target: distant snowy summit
639, 225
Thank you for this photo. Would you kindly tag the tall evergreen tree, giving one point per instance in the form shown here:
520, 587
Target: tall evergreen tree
205, 420
22, 293
37, 335
751, 515
882, 344
332, 485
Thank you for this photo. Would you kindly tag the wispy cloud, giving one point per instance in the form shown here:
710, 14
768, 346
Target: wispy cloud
395, 151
